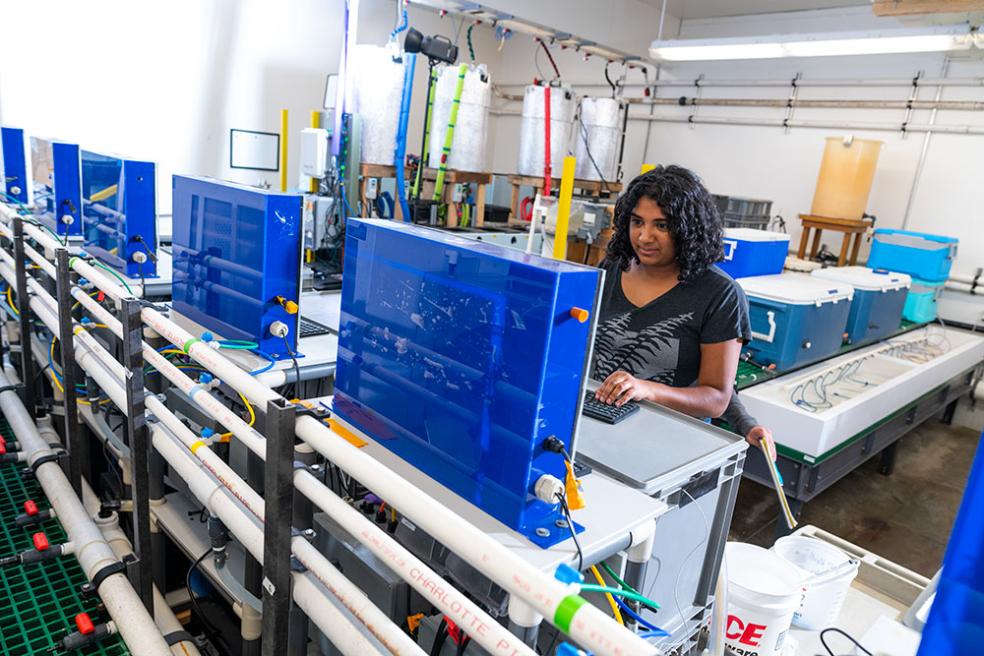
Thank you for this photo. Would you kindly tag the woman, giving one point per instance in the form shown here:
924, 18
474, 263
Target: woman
672, 324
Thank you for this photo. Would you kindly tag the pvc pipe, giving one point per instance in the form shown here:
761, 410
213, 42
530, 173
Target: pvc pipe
484, 629
586, 624
339, 629
351, 597
547, 173
924, 150
783, 103
564, 208
136, 626
400, 157
719, 616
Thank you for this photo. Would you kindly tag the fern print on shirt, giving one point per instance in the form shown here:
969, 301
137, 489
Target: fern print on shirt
661, 340
652, 353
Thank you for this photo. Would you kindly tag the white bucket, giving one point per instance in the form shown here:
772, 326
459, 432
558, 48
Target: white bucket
763, 593
824, 595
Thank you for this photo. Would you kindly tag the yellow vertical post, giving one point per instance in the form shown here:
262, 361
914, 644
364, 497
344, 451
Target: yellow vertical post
564, 208
315, 123
646, 168
283, 150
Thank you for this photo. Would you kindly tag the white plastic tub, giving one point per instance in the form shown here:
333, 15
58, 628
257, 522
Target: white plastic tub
763, 593
828, 574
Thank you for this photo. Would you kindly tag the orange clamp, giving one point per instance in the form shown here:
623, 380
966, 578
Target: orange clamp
84, 624
40, 541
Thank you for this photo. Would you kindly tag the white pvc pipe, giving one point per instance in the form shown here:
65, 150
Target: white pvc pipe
118, 541
339, 629
109, 375
487, 632
136, 626
586, 624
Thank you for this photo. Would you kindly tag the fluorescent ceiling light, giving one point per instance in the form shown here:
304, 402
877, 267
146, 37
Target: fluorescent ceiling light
937, 39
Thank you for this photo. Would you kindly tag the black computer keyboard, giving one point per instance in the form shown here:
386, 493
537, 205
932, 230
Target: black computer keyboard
313, 328
610, 414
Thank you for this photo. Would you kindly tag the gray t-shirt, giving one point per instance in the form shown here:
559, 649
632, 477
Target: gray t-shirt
661, 340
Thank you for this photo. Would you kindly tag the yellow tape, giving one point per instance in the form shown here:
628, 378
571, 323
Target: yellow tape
197, 445
346, 434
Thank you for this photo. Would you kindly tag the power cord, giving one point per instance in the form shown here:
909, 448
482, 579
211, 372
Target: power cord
570, 526
210, 630
834, 629
297, 369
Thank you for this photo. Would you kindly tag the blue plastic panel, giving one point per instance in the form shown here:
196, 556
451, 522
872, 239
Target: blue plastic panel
15, 164
56, 170
956, 621
235, 249
462, 358
119, 207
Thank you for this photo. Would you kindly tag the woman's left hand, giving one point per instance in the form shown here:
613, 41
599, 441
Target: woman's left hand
762, 436
621, 387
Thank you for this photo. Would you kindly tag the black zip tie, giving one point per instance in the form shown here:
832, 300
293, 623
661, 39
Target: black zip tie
51, 457
107, 571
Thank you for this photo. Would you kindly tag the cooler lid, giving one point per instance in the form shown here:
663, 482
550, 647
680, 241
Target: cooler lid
870, 280
796, 289
751, 234
911, 233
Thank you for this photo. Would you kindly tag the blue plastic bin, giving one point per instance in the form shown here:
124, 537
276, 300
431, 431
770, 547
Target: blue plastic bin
796, 318
920, 303
749, 252
879, 296
919, 254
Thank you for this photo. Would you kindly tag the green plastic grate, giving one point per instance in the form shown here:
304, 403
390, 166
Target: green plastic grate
38, 602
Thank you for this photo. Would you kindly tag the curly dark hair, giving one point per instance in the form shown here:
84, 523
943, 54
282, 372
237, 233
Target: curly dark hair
693, 219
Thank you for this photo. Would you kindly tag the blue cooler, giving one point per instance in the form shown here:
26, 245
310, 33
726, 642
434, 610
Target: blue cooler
879, 295
749, 252
920, 304
919, 254
796, 318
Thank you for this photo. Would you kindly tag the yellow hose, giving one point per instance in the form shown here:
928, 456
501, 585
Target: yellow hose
608, 595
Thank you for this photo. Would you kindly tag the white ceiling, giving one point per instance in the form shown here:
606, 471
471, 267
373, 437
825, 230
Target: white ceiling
687, 9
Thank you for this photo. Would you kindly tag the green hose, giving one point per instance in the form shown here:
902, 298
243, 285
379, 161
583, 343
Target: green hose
449, 132
646, 601
427, 132
611, 573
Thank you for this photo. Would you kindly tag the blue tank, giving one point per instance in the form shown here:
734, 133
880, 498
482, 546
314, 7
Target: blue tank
463, 358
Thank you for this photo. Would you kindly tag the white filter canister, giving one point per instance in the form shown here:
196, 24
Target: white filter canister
597, 137
532, 130
378, 86
472, 124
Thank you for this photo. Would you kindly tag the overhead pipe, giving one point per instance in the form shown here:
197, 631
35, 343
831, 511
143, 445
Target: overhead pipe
135, 624
700, 81
587, 625
783, 103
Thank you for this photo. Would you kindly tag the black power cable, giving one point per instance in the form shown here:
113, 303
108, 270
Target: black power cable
834, 629
440, 637
570, 526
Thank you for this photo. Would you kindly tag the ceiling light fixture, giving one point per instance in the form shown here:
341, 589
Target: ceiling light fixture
934, 39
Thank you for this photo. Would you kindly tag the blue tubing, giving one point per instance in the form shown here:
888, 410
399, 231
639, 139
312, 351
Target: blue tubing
403, 24
399, 158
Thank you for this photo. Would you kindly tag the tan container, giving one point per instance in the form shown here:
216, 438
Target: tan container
846, 173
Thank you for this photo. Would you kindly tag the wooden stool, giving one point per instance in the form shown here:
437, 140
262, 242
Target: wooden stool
852, 228
593, 188
367, 171
453, 177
